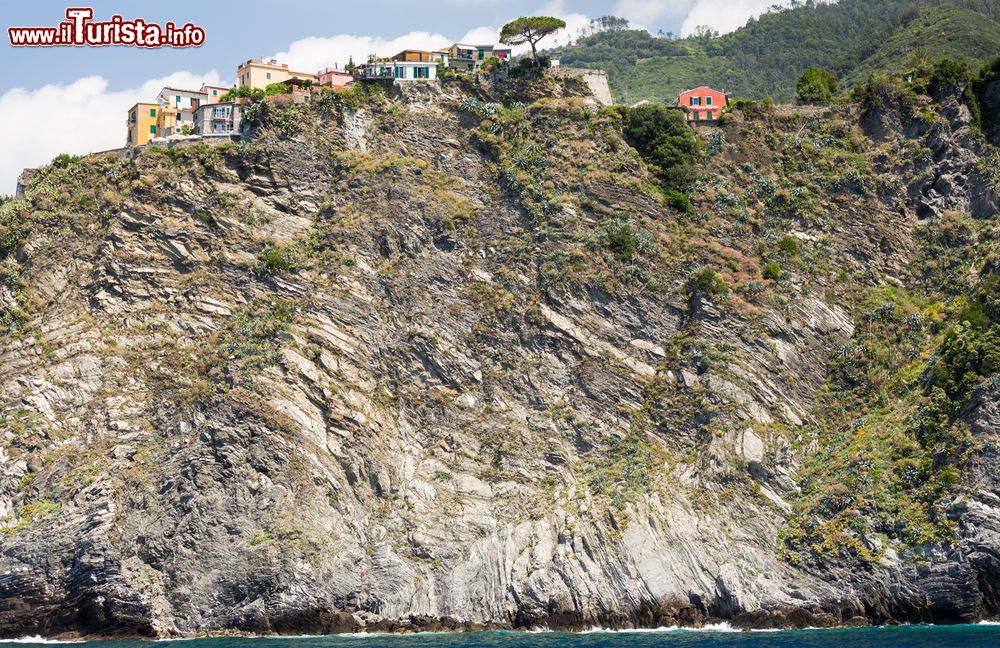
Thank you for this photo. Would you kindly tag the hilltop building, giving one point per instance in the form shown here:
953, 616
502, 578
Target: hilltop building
408, 65
184, 103
142, 123
702, 104
260, 74
469, 58
416, 56
213, 93
218, 119
335, 78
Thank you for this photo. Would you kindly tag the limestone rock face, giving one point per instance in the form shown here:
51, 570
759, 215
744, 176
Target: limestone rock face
340, 377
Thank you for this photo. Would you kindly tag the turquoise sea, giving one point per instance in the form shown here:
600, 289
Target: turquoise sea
968, 636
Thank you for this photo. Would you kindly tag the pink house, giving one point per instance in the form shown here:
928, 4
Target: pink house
335, 78
702, 104
214, 93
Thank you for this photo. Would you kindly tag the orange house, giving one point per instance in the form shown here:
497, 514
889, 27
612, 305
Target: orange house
702, 104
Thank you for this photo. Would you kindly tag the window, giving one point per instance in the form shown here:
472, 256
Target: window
152, 112
695, 101
178, 101
152, 129
708, 101
132, 116
268, 76
194, 103
215, 93
481, 54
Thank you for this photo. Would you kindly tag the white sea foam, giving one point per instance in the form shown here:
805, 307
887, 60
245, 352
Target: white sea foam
39, 640
711, 627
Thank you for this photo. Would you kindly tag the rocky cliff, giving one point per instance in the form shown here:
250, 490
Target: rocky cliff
451, 358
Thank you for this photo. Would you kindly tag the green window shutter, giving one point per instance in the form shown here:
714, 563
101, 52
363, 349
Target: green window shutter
708, 101
152, 129
152, 112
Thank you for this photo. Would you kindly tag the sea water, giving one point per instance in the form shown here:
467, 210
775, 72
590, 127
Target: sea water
966, 636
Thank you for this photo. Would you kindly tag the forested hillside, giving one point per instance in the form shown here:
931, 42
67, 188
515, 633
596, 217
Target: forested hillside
767, 55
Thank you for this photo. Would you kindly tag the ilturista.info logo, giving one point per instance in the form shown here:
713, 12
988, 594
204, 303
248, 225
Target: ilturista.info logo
80, 30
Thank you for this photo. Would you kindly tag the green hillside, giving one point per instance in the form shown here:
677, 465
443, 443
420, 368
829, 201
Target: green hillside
939, 32
766, 56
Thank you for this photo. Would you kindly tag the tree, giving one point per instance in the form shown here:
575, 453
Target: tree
530, 29
351, 68
816, 85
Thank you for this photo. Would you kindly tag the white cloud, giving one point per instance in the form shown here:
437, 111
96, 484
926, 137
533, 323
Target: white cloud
724, 16
481, 35
78, 118
574, 22
642, 13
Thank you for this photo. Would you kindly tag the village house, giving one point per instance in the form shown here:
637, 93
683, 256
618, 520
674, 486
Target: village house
408, 65
218, 119
260, 74
185, 103
142, 123
469, 58
441, 55
213, 93
702, 104
415, 56
335, 78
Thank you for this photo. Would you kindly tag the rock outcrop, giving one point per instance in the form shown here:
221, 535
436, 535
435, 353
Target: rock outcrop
341, 376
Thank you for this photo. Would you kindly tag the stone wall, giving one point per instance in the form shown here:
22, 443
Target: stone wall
596, 80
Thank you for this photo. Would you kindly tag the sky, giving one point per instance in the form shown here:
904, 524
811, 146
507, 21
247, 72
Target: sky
74, 99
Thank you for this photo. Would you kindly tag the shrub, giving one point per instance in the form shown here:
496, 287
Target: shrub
882, 92
948, 73
772, 271
751, 108
353, 98
243, 92
678, 200
789, 246
705, 282
816, 85
663, 138
64, 160
275, 259
621, 238
443, 71
14, 226
981, 96
277, 89
249, 340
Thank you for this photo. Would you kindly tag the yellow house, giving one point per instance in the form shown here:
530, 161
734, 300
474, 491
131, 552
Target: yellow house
166, 121
143, 123
260, 74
